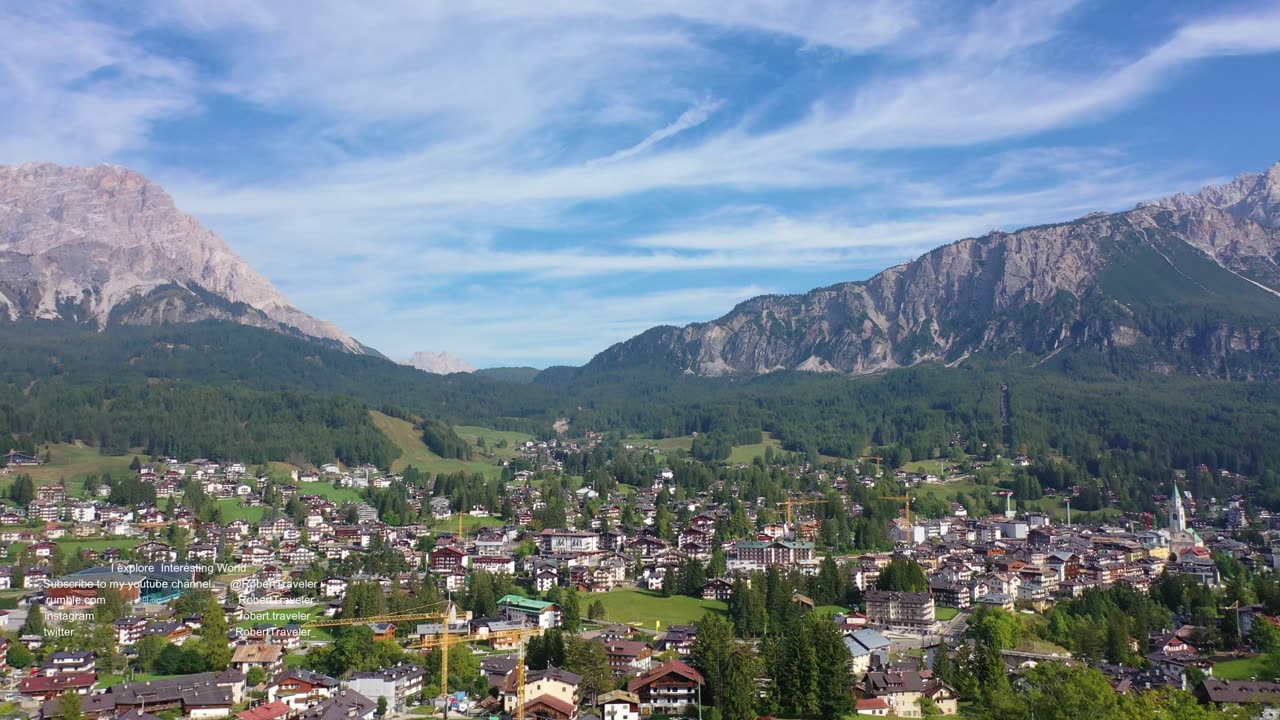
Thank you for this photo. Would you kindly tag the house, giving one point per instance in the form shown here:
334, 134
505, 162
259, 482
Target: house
554, 692
274, 710
44, 687
1234, 693
717, 589
535, 612
568, 541
627, 657
69, 663
619, 705
868, 648
344, 705
667, 689
13, 458
298, 689
397, 684
902, 690
448, 558
545, 578
890, 608
678, 639
268, 657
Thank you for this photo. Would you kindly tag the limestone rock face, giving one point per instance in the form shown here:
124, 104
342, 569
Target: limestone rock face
1106, 281
103, 244
439, 364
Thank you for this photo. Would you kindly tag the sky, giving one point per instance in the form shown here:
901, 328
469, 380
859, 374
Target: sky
527, 183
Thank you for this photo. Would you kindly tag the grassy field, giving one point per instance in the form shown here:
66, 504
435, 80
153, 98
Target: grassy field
684, 442
71, 547
233, 510
106, 680
470, 523
73, 463
1242, 669
1051, 506
743, 454
642, 607
326, 489
830, 610
945, 613
414, 452
473, 434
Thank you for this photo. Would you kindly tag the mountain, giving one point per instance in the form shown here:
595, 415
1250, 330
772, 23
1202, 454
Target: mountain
104, 245
519, 375
1187, 284
439, 364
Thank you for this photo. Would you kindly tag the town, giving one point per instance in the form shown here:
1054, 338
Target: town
606, 579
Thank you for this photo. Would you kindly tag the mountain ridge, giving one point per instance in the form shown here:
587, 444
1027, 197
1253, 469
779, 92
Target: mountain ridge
1037, 290
104, 244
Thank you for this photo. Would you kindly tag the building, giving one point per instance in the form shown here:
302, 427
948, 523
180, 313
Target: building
568, 541
667, 689
868, 649
539, 613
261, 655
553, 692
1234, 693
903, 689
397, 684
298, 689
619, 705
889, 608
628, 657
344, 705
754, 554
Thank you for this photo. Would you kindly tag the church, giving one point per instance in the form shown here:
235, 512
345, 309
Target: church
1180, 538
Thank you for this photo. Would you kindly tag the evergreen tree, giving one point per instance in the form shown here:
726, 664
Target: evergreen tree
833, 659
34, 624
570, 613
213, 645
738, 699
70, 706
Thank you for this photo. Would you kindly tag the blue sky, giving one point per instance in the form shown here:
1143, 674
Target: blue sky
528, 183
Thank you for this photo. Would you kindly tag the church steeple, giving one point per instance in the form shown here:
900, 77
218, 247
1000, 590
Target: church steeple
1177, 516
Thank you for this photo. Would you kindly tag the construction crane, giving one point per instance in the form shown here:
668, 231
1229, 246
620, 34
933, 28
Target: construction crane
1008, 501
877, 458
445, 640
907, 500
791, 503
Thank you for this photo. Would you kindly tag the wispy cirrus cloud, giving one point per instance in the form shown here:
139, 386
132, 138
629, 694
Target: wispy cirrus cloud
389, 164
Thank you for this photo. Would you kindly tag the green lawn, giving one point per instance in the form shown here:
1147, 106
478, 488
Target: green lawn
945, 613
233, 510
830, 610
743, 454
414, 452
1243, 669
684, 442
642, 607
470, 524
71, 547
106, 680
327, 490
73, 463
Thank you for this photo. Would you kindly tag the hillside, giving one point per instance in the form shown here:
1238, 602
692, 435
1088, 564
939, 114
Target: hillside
1189, 284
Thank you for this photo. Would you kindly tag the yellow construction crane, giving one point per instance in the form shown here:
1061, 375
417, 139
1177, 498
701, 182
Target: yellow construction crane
907, 499
444, 640
791, 503
877, 458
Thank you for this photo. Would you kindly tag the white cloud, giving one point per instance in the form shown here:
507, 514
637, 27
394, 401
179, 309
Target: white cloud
412, 140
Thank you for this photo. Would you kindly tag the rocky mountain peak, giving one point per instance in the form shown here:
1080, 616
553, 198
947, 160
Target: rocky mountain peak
1190, 282
103, 243
439, 364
